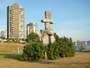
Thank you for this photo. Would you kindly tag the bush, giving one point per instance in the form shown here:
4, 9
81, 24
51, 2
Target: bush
53, 51
66, 47
33, 51
33, 37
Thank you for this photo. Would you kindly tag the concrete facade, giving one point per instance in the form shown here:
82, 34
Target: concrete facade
31, 27
15, 22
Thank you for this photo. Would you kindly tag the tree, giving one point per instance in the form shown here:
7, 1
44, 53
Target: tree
62, 47
33, 51
57, 39
53, 51
66, 46
33, 37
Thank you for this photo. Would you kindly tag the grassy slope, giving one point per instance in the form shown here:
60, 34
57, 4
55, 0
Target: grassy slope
10, 47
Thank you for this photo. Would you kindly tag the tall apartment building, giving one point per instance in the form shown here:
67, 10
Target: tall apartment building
15, 22
31, 27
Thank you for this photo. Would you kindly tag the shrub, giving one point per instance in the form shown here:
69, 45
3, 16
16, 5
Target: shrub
53, 51
66, 47
33, 37
34, 51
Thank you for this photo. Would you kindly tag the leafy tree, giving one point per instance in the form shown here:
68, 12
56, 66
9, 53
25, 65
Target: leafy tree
57, 39
33, 37
66, 46
53, 51
33, 51
62, 47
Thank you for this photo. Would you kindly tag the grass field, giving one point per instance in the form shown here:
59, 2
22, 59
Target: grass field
10, 47
81, 59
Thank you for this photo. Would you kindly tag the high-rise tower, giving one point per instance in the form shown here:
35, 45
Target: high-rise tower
31, 27
15, 22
